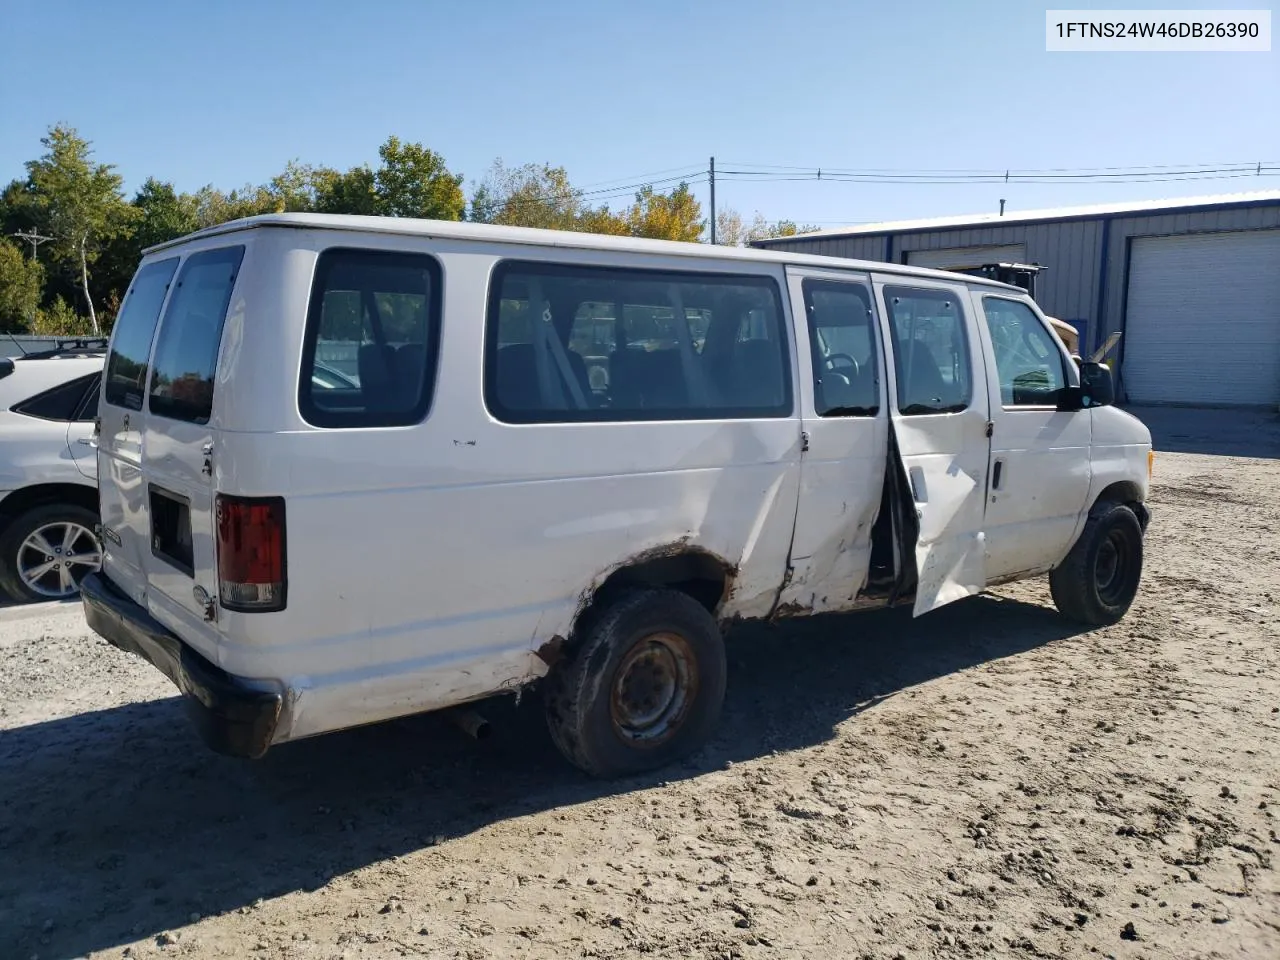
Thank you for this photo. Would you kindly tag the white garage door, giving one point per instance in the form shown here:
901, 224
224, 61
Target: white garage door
967, 256
1203, 319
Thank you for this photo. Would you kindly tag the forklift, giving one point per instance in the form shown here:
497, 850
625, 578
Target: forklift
1024, 275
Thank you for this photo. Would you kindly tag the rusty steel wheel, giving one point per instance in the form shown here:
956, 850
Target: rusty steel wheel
653, 689
641, 685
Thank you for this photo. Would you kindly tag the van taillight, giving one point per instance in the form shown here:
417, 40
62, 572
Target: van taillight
251, 563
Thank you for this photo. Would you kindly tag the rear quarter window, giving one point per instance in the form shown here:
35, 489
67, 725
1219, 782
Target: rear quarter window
63, 402
187, 347
373, 325
135, 327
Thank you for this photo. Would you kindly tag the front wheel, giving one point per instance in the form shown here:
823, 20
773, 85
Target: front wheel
642, 687
1098, 580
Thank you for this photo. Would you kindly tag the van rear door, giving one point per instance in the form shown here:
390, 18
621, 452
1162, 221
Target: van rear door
121, 491
179, 439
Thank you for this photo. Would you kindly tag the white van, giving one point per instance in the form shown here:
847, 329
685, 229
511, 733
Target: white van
357, 468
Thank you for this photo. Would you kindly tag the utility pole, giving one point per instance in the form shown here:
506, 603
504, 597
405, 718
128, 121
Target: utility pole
32, 238
713, 201
1002, 208
35, 239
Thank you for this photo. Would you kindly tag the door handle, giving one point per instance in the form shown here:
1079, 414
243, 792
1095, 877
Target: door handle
997, 474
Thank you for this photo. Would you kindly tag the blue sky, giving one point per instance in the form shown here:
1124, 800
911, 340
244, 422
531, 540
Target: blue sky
226, 93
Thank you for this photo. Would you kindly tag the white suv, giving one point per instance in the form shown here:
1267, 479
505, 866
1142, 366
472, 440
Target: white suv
48, 470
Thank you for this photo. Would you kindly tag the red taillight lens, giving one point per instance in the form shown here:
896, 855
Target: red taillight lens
251, 565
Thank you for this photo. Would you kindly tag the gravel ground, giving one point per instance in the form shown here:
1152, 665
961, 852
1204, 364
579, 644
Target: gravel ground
986, 781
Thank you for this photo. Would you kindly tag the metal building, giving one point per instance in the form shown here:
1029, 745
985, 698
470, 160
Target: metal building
1193, 284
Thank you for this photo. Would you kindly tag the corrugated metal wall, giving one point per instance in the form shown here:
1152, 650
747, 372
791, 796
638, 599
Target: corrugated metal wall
1075, 278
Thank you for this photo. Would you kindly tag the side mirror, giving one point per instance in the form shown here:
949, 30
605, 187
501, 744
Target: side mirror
1097, 388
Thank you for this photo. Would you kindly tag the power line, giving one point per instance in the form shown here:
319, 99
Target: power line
688, 170
600, 196
1206, 167
1133, 175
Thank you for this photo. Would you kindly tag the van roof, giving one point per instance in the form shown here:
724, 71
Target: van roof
492, 233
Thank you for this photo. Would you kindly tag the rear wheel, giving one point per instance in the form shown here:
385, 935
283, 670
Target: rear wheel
1098, 580
643, 686
46, 551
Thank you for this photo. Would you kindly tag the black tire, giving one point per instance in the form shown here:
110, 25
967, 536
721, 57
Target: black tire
655, 650
1098, 580
23, 526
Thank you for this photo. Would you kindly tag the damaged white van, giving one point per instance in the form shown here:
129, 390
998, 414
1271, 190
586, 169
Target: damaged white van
357, 468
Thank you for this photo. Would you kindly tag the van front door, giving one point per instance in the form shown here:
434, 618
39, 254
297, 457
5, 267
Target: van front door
939, 410
846, 423
1040, 468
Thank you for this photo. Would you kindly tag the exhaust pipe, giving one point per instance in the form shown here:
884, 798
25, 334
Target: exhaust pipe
470, 723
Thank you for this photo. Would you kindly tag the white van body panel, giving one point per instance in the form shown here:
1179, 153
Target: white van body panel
1118, 452
1042, 453
533, 516
841, 479
946, 457
443, 561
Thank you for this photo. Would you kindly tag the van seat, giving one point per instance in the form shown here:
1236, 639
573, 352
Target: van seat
757, 374
647, 380
517, 378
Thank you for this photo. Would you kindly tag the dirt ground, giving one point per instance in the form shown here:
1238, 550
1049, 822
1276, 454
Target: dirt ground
986, 781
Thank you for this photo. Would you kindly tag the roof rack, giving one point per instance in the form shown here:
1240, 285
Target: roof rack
77, 345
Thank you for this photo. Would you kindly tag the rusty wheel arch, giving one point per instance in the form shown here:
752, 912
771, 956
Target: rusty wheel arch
680, 565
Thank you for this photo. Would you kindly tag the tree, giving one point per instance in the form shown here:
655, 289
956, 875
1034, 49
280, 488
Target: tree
529, 196
21, 281
294, 190
162, 214
82, 203
730, 230
761, 229
674, 216
213, 207
352, 192
60, 320
603, 220
414, 182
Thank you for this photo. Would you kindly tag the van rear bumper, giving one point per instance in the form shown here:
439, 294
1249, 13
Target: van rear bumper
234, 716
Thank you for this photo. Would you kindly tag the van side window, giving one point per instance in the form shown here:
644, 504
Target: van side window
846, 375
373, 326
570, 344
1030, 366
190, 334
136, 325
930, 350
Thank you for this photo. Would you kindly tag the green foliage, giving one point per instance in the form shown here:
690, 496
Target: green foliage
527, 196
60, 320
353, 192
414, 182
21, 281
761, 229
99, 236
730, 230
80, 201
674, 216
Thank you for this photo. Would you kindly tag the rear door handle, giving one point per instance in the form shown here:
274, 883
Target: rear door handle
997, 474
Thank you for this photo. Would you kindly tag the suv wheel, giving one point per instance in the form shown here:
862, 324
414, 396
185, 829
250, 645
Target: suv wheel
46, 551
